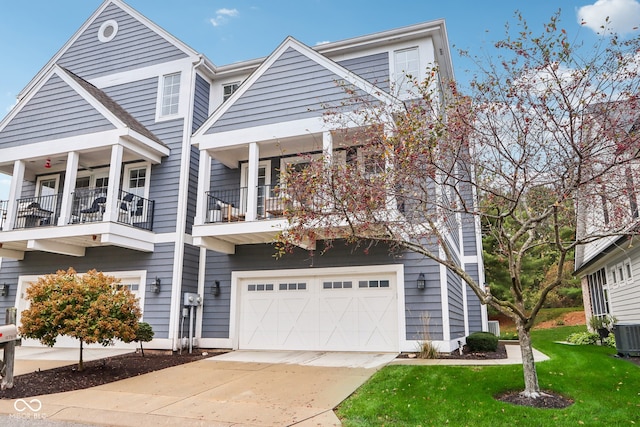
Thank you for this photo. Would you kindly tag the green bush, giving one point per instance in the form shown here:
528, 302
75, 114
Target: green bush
509, 336
583, 338
482, 341
610, 341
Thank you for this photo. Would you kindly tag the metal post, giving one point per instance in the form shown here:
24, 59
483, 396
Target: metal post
9, 351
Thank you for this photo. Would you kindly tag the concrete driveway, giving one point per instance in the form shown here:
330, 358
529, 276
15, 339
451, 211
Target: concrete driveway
235, 389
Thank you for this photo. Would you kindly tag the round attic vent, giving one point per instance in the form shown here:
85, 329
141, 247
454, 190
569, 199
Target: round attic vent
108, 30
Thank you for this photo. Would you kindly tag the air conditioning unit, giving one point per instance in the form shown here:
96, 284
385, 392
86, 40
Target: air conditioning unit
494, 327
627, 338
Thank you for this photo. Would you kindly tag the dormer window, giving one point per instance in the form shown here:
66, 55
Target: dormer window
170, 95
228, 90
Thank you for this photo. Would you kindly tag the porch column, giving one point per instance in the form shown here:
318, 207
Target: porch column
15, 192
115, 172
327, 146
252, 182
204, 185
66, 205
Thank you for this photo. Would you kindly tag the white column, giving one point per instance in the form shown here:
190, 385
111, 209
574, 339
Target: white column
327, 146
252, 182
73, 158
204, 185
15, 192
115, 172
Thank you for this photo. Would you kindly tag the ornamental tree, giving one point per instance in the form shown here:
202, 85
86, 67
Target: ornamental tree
542, 151
91, 307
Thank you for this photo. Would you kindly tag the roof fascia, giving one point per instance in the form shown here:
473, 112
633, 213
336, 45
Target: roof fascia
332, 66
119, 3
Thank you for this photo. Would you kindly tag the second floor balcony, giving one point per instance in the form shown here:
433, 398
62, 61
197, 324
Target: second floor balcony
45, 223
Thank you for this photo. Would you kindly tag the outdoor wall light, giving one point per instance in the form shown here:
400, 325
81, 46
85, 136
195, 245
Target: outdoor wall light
155, 286
215, 289
4, 290
421, 282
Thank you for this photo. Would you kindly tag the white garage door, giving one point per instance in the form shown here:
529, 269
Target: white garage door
319, 313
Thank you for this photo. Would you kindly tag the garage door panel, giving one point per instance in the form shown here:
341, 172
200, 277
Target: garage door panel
337, 313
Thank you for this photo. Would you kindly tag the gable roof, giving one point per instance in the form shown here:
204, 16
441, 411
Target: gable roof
179, 45
101, 105
333, 71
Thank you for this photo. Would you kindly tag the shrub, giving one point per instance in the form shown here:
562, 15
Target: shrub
144, 333
482, 341
427, 350
610, 341
509, 336
583, 338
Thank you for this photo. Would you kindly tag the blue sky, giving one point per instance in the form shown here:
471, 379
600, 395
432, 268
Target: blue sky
227, 31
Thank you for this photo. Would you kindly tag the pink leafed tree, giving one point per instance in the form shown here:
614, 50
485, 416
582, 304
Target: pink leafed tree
542, 150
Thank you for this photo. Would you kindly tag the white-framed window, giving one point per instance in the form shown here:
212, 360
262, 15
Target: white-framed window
136, 179
170, 95
108, 31
598, 293
47, 185
406, 64
620, 273
228, 90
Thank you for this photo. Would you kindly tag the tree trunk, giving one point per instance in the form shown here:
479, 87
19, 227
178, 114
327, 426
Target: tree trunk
80, 362
531, 387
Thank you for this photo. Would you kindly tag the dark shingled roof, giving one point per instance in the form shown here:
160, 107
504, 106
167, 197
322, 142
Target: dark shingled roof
113, 107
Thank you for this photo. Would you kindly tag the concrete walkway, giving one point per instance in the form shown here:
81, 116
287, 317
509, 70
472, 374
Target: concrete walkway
239, 388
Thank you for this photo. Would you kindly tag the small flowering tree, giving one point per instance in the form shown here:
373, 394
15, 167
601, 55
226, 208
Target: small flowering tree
90, 307
543, 152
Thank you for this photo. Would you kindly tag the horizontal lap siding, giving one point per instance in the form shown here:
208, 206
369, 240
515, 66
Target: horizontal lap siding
295, 87
157, 264
134, 46
190, 269
473, 302
200, 103
456, 305
373, 68
139, 99
56, 111
423, 307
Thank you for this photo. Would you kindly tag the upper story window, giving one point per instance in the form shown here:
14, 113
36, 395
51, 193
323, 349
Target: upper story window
228, 90
170, 94
406, 66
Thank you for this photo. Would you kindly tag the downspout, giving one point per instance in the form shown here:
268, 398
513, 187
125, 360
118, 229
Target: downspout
181, 219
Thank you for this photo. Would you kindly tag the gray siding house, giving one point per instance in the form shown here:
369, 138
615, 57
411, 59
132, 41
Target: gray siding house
133, 154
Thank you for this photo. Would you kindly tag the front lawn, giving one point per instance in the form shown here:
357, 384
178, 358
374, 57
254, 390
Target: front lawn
606, 391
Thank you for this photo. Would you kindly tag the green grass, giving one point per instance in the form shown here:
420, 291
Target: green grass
606, 391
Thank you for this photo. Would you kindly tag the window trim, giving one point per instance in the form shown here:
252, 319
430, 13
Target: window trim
226, 85
132, 166
160, 97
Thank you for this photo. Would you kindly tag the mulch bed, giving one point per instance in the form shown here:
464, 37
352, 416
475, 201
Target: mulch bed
500, 353
549, 400
98, 372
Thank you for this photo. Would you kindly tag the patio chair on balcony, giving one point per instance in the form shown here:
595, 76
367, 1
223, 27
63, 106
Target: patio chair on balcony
94, 212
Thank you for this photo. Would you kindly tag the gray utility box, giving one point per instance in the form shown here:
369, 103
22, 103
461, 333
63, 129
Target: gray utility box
627, 338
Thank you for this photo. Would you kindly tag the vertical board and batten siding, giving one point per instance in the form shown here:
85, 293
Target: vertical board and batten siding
200, 103
139, 99
157, 264
474, 307
134, 46
56, 111
373, 68
216, 310
190, 270
294, 88
456, 305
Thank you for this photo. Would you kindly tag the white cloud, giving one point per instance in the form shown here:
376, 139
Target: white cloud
623, 16
223, 15
322, 42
